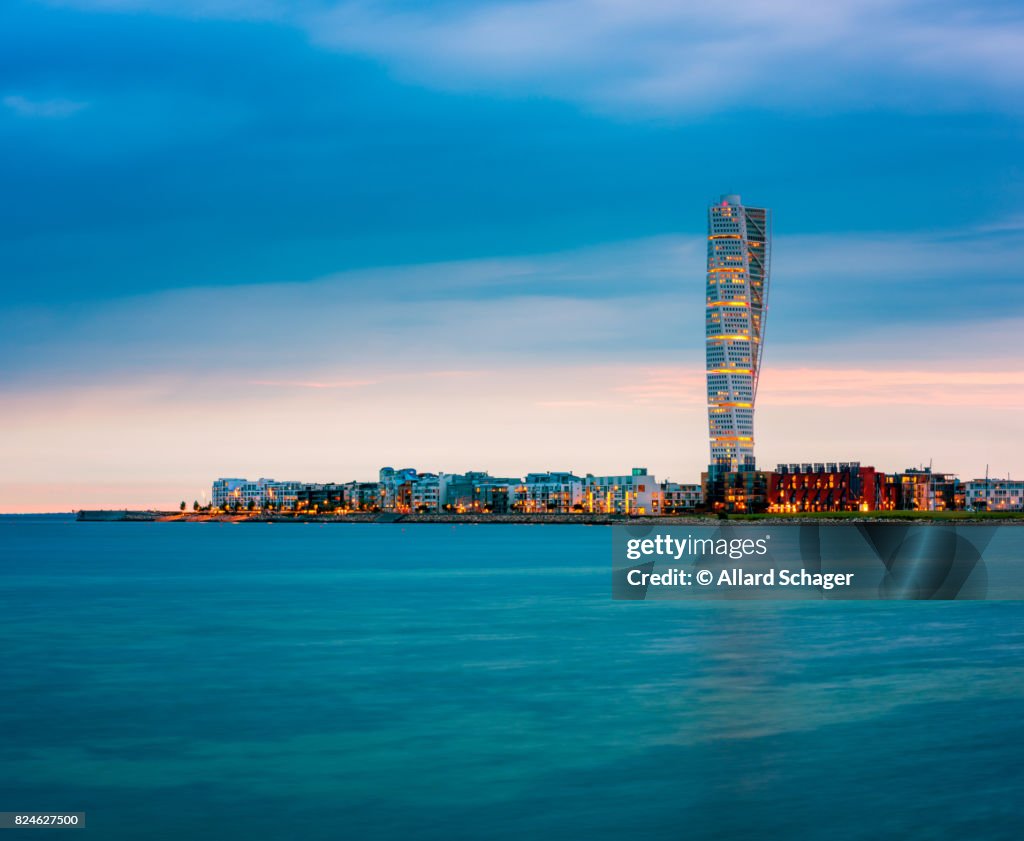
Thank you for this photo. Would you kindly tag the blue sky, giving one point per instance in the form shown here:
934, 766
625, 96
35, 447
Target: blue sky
223, 207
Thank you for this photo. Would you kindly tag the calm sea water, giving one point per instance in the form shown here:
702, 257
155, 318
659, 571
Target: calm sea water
476, 682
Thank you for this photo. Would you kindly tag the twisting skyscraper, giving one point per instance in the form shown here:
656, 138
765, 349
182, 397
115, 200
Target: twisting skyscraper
739, 249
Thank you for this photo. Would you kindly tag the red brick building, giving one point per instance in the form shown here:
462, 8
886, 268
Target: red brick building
830, 486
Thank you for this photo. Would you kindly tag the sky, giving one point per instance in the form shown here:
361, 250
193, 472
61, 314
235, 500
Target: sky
305, 240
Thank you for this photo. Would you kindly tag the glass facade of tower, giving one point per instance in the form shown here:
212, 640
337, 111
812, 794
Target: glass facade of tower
739, 251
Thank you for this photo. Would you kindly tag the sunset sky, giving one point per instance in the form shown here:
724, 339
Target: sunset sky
303, 240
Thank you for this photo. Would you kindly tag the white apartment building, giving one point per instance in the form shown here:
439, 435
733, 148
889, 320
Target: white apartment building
549, 493
994, 494
241, 492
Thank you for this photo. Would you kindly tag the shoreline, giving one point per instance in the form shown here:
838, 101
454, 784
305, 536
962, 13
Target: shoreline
390, 518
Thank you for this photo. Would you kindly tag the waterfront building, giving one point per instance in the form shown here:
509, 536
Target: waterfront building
226, 491
396, 488
829, 486
738, 491
634, 493
495, 495
425, 494
738, 257
329, 497
676, 498
362, 496
458, 490
282, 494
549, 493
407, 491
994, 495
921, 489
245, 493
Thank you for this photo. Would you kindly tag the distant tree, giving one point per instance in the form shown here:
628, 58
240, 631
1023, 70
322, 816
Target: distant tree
195, 504
183, 506
250, 505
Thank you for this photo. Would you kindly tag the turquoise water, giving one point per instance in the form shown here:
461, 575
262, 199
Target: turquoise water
438, 682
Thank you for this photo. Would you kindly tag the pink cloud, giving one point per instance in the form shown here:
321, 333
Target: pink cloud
314, 384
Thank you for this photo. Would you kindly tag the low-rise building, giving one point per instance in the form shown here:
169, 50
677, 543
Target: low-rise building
458, 490
425, 494
396, 488
634, 493
676, 498
244, 494
994, 495
921, 489
494, 494
363, 496
549, 493
318, 497
829, 486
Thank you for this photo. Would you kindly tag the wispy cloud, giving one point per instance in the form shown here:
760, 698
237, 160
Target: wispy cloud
673, 56
667, 55
870, 297
50, 109
314, 384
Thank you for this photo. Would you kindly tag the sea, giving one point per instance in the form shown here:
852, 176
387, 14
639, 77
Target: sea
306, 681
